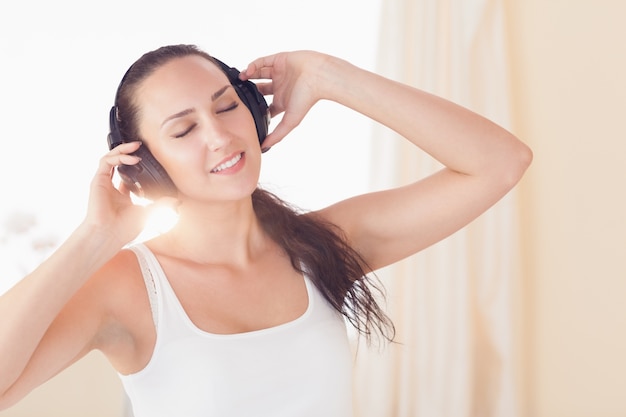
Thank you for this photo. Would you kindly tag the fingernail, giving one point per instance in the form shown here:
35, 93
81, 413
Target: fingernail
263, 150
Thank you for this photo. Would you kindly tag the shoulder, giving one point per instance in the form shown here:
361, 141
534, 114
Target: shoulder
121, 287
127, 328
119, 275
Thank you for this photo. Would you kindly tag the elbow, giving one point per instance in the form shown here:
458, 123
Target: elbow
517, 160
523, 159
506, 167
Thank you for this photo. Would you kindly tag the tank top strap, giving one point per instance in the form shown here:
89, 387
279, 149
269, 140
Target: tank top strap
150, 270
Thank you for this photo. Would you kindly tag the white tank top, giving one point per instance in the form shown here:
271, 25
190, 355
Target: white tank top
298, 369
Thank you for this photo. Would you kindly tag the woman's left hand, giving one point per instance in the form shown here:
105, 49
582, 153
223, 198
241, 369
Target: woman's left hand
294, 83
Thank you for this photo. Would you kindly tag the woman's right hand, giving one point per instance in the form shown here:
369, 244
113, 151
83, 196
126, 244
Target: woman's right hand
110, 210
294, 82
56, 313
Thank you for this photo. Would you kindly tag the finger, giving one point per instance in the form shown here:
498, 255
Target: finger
123, 189
110, 161
275, 110
257, 74
260, 68
113, 159
273, 138
122, 153
267, 89
286, 125
126, 147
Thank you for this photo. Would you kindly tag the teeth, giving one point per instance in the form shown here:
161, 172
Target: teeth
227, 164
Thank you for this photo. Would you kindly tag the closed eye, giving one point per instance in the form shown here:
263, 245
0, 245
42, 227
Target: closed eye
184, 132
232, 106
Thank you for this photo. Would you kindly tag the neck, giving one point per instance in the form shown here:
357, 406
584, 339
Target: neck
215, 234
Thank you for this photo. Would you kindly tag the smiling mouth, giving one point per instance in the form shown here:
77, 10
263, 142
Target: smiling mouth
228, 163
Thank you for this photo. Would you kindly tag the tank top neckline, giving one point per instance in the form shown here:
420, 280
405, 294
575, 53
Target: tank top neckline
167, 292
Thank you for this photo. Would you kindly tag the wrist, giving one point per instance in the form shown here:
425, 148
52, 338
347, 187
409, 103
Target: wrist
335, 79
97, 237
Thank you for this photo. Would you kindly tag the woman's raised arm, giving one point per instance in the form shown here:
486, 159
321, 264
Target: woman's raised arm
482, 161
45, 326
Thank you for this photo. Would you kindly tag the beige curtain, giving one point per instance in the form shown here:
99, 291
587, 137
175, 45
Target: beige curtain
453, 303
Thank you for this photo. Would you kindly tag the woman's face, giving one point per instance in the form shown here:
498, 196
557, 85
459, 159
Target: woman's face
196, 126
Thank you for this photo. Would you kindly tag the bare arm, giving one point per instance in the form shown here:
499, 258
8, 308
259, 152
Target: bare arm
47, 323
482, 160
31, 310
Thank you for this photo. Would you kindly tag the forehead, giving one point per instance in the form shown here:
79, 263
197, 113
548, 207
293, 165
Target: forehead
186, 77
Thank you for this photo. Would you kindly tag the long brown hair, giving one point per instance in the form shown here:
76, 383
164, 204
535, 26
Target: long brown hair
315, 247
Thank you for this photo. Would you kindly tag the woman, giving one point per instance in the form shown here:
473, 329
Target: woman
236, 310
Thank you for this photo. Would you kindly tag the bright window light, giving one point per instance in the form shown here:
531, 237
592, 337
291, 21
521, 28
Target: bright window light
162, 218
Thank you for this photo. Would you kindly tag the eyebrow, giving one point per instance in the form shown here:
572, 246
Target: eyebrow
185, 112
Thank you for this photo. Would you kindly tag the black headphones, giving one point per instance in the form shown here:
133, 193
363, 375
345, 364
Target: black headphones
148, 178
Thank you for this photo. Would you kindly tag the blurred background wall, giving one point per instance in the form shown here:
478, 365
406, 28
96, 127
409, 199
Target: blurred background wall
569, 90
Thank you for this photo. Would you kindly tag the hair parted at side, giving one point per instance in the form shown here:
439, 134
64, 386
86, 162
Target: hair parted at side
314, 246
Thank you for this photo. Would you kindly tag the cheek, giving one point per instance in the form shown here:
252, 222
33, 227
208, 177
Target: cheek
180, 160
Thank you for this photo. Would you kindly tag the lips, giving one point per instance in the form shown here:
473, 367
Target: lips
227, 164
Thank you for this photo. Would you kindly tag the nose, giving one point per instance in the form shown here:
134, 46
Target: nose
216, 137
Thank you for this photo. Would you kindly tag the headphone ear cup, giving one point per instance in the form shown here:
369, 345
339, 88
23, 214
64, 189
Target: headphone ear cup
255, 102
251, 97
147, 178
